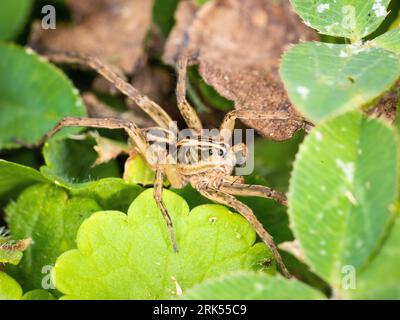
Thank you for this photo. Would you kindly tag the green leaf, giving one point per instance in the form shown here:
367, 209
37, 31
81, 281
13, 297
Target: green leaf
380, 280
273, 160
343, 192
9, 288
138, 172
12, 257
38, 294
163, 15
71, 161
389, 41
271, 214
353, 19
34, 96
13, 16
327, 79
131, 257
49, 216
109, 193
15, 177
252, 286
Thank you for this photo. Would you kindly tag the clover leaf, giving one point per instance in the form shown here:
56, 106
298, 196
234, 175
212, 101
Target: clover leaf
381, 278
389, 41
324, 79
251, 286
131, 256
341, 203
353, 19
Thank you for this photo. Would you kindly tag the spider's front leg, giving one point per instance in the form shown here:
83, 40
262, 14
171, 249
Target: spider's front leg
245, 211
131, 129
228, 123
188, 113
158, 188
158, 114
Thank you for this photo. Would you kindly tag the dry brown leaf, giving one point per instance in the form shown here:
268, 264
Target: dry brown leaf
108, 149
113, 30
178, 38
238, 45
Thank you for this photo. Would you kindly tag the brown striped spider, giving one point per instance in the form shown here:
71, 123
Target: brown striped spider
211, 175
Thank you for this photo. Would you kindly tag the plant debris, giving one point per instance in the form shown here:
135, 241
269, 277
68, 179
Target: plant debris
387, 106
120, 26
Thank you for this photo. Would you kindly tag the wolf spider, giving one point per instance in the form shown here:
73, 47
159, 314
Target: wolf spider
212, 176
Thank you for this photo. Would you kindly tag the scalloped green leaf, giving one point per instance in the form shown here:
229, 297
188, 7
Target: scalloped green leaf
131, 257
137, 171
343, 192
35, 95
38, 294
389, 41
13, 16
381, 279
109, 193
324, 80
71, 161
9, 288
252, 286
49, 216
353, 19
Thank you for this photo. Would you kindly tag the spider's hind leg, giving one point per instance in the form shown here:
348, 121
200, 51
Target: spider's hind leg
237, 188
245, 211
158, 188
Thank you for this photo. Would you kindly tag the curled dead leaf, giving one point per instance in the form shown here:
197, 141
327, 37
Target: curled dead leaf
108, 149
113, 30
238, 45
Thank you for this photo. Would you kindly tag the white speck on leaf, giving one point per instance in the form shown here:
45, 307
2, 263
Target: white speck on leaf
259, 287
347, 168
323, 7
303, 91
351, 198
379, 9
29, 51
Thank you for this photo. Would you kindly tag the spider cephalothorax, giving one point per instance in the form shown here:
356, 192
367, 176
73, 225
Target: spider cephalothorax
206, 162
